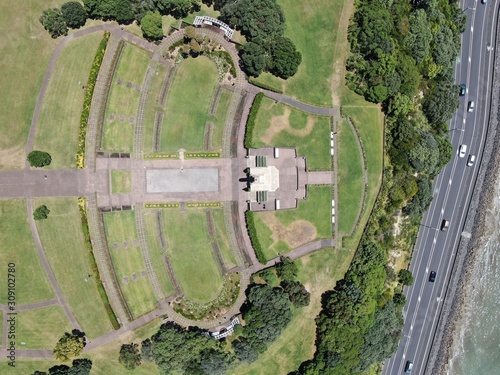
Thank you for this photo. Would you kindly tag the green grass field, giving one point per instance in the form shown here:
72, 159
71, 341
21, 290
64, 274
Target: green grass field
319, 272
64, 246
41, 328
192, 256
127, 261
188, 104
222, 239
25, 48
314, 28
157, 253
151, 107
18, 247
282, 231
350, 178
118, 133
369, 122
57, 129
282, 126
121, 181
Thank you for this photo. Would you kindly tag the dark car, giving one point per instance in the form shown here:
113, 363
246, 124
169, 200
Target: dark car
408, 367
432, 276
463, 89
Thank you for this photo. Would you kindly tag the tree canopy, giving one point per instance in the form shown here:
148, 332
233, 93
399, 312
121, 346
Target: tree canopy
74, 14
41, 212
69, 346
151, 26
53, 21
130, 357
39, 158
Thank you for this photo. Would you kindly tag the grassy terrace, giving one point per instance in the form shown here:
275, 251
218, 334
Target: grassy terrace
25, 48
121, 233
187, 106
57, 129
318, 272
192, 256
280, 125
64, 246
120, 182
314, 28
118, 131
41, 328
222, 239
157, 252
282, 231
350, 178
18, 247
152, 106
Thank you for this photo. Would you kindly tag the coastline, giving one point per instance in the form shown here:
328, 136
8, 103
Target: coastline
460, 287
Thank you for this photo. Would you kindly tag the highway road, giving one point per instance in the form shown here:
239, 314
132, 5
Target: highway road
435, 249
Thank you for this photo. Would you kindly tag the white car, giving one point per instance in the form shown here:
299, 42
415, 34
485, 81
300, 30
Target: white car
470, 107
471, 160
462, 151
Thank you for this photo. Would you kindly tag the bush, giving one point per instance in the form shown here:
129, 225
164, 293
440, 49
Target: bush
94, 71
252, 232
39, 159
251, 120
41, 213
405, 277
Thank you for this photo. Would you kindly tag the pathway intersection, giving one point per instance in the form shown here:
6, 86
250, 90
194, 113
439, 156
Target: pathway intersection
93, 182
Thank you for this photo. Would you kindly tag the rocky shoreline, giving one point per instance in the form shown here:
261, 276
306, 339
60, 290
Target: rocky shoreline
459, 289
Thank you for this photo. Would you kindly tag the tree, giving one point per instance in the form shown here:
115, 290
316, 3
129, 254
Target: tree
285, 58
177, 8
255, 18
53, 21
244, 351
253, 59
286, 268
80, 366
419, 38
74, 14
130, 357
39, 158
297, 292
147, 351
405, 277
41, 212
215, 362
399, 299
68, 346
151, 26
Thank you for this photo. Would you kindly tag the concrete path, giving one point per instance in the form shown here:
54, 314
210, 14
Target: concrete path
322, 111
31, 306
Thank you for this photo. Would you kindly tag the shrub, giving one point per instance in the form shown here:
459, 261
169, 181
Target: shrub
41, 213
39, 159
251, 120
94, 71
252, 232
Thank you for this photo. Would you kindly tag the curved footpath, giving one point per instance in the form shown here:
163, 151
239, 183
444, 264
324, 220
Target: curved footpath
30, 183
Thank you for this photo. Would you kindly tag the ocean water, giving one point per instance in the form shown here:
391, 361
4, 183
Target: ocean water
476, 346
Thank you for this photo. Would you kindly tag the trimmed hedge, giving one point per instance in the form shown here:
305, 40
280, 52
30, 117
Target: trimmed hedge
95, 270
251, 120
94, 71
265, 86
252, 232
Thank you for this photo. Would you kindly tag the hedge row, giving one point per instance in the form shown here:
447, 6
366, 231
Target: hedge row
95, 270
162, 205
252, 232
173, 155
265, 86
204, 155
94, 71
251, 120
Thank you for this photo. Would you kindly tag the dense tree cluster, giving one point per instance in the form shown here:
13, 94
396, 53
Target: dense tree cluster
81, 366
262, 22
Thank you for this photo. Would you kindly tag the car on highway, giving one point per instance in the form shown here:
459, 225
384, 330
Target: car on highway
432, 276
408, 367
470, 106
471, 160
463, 89
445, 224
462, 150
